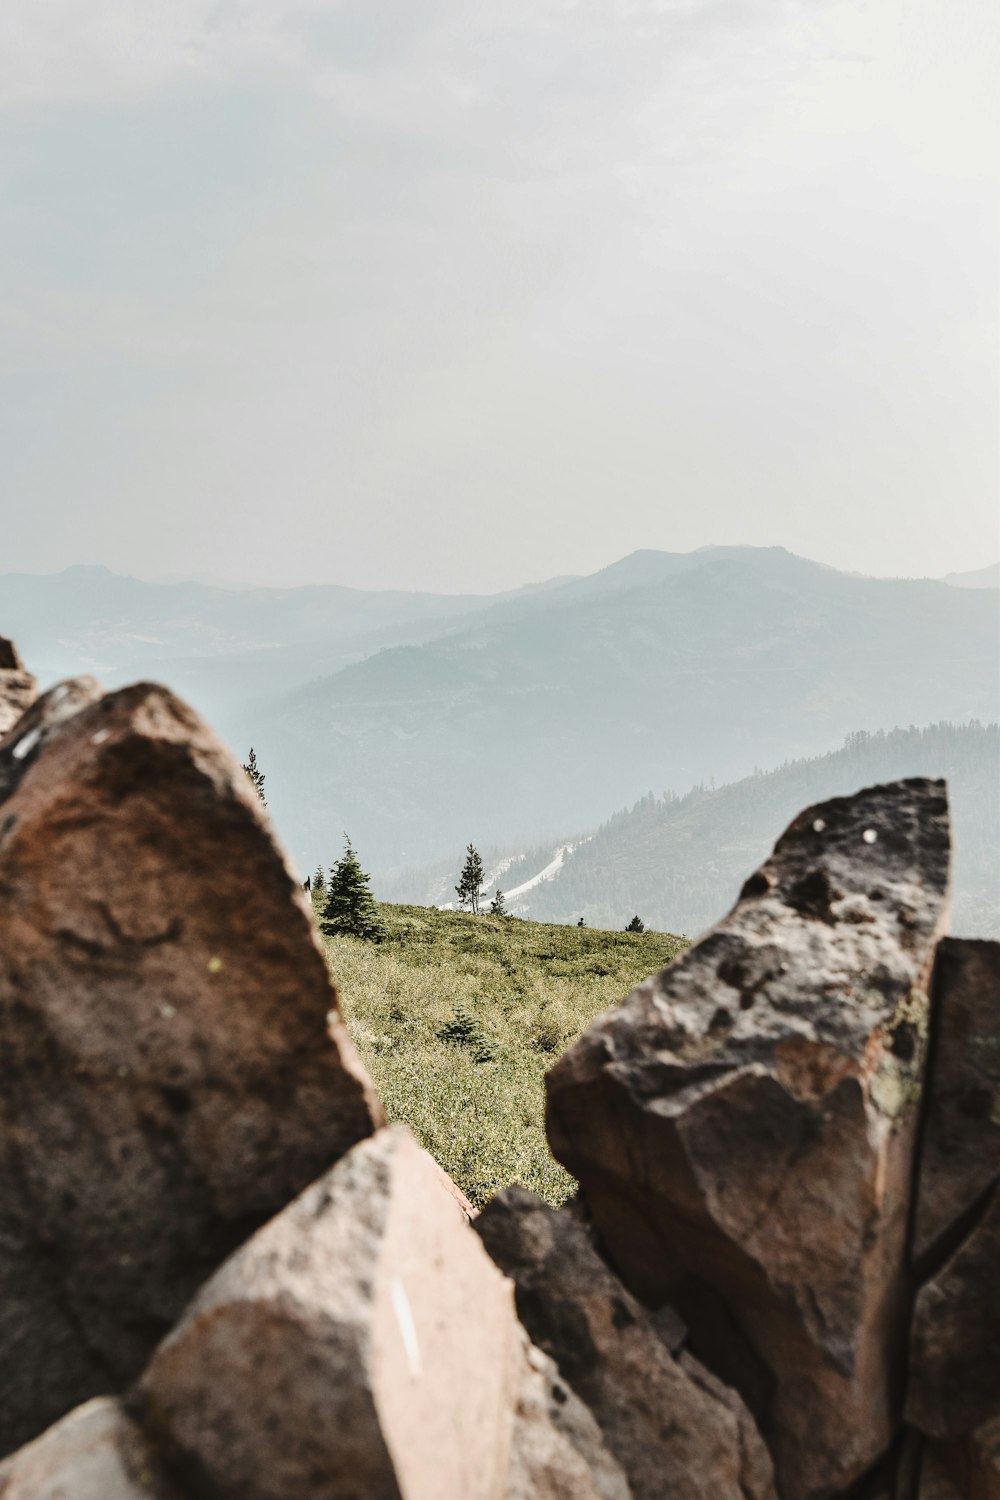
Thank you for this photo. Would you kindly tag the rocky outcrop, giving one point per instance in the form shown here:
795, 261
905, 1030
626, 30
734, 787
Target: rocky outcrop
363, 1343
672, 1428
744, 1126
174, 1067
18, 688
777, 1282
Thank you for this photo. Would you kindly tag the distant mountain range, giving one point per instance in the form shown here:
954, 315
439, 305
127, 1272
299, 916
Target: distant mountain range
679, 862
979, 578
418, 722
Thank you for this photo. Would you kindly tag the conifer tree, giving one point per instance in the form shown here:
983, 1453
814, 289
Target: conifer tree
498, 907
256, 775
470, 882
636, 924
318, 889
350, 908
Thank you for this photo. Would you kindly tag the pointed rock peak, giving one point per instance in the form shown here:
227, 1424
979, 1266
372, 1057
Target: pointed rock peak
743, 1125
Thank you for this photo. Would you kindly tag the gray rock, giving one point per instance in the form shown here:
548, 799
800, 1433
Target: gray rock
674, 1429
557, 1450
174, 1066
95, 1453
743, 1126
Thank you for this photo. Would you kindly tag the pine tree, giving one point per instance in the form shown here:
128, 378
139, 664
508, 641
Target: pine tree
318, 890
498, 907
350, 907
256, 775
470, 882
636, 924
581, 923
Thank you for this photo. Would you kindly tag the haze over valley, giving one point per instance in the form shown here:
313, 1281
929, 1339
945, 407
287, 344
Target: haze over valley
418, 722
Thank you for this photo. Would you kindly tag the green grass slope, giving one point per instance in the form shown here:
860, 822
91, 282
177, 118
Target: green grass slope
457, 1018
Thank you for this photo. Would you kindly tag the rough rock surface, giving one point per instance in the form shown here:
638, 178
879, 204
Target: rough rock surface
170, 1076
361, 1344
95, 1453
960, 1144
966, 1470
743, 1126
557, 1451
674, 1430
18, 688
954, 1384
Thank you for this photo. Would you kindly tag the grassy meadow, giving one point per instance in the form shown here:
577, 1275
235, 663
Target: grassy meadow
458, 1017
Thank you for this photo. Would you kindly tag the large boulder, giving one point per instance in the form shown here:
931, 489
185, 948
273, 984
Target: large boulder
673, 1429
95, 1453
174, 1065
960, 1143
743, 1126
18, 689
361, 1344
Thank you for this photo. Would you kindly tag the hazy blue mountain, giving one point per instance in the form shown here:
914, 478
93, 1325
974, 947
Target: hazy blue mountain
219, 647
418, 722
534, 719
679, 862
978, 578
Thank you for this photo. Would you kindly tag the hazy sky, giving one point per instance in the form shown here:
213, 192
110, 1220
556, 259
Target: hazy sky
422, 293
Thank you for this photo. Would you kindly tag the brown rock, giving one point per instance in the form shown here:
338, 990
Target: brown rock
744, 1123
169, 1076
960, 1146
361, 1344
95, 1453
964, 1470
954, 1383
674, 1429
18, 689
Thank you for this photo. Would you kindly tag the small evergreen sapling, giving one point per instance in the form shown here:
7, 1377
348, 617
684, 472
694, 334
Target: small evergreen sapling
350, 909
318, 890
470, 883
256, 775
498, 907
636, 924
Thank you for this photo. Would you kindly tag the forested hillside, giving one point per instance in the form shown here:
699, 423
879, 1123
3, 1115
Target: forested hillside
534, 721
680, 861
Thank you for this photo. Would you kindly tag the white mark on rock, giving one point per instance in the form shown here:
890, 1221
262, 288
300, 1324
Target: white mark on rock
100, 736
407, 1327
214, 965
27, 744
870, 836
818, 825
166, 1011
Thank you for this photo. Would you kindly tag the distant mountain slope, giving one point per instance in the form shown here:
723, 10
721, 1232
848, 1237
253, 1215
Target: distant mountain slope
218, 647
532, 721
680, 861
979, 578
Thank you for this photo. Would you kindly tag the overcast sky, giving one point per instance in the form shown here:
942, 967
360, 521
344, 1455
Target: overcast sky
430, 294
